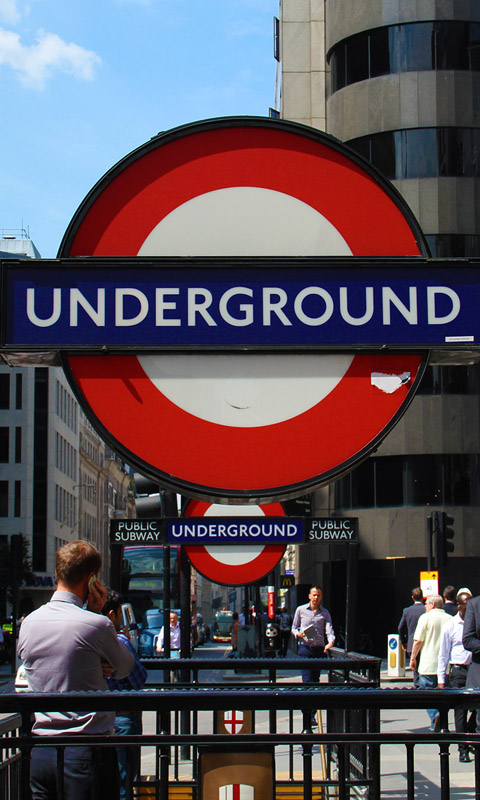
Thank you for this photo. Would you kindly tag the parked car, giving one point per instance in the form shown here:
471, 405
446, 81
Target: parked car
151, 624
129, 622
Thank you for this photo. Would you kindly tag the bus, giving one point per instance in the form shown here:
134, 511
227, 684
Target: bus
142, 578
222, 626
142, 582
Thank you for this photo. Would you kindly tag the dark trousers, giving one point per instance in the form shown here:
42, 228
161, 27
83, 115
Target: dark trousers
308, 651
284, 642
416, 676
89, 773
463, 724
125, 725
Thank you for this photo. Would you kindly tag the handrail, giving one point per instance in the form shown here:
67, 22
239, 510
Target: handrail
353, 754
201, 698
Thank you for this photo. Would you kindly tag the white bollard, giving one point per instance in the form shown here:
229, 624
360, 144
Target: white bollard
395, 656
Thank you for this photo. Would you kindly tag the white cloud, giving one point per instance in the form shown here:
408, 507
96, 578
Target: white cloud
8, 12
35, 63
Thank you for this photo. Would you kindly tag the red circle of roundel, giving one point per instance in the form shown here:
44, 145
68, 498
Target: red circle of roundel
199, 508
192, 454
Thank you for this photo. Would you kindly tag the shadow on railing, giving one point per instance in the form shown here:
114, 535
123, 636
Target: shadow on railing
197, 735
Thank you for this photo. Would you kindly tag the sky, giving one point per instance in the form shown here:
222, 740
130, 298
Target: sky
85, 82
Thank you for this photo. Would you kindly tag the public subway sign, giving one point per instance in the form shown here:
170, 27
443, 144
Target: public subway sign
167, 303
332, 529
233, 530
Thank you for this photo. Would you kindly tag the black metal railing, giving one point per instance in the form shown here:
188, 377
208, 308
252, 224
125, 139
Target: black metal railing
344, 760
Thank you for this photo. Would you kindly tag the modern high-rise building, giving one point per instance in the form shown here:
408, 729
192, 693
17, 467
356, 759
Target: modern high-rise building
399, 82
58, 480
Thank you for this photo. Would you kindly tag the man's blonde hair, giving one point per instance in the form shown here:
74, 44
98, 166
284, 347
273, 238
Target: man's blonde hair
76, 561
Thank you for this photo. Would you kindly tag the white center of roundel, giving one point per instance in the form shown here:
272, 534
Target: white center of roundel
234, 556
245, 390
244, 221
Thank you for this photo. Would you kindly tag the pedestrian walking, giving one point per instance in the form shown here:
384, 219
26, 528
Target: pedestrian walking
408, 624
454, 658
426, 646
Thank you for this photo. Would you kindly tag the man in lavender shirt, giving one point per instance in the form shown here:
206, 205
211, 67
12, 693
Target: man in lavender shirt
63, 646
313, 629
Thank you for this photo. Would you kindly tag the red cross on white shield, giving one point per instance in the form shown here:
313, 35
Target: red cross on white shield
233, 721
236, 791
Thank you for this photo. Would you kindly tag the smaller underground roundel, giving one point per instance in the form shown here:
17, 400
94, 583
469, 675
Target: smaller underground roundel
234, 565
243, 424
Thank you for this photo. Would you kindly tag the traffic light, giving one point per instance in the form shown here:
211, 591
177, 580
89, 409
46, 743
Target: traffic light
151, 501
148, 498
443, 535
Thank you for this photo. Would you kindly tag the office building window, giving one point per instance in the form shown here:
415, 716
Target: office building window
3, 498
453, 245
4, 445
19, 391
450, 380
276, 38
4, 390
423, 480
412, 47
423, 152
18, 499
18, 445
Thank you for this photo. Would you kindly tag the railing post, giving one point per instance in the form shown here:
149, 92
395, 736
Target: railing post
444, 771
410, 772
307, 771
25, 730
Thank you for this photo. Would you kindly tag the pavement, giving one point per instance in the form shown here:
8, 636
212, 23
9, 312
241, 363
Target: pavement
393, 757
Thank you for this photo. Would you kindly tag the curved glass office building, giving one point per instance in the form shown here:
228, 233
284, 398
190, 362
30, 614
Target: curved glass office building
399, 82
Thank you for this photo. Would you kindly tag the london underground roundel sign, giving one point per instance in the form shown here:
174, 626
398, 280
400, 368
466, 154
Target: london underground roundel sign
232, 565
243, 425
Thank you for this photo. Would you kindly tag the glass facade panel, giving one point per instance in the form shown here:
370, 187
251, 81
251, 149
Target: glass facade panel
423, 152
379, 52
445, 245
450, 380
418, 153
18, 499
459, 471
356, 67
19, 390
412, 47
423, 480
363, 487
4, 445
383, 152
474, 46
3, 498
337, 65
388, 482
4, 390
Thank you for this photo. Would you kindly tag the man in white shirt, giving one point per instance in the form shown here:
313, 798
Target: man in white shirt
175, 636
453, 654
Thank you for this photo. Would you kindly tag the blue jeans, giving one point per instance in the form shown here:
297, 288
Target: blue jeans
429, 682
308, 651
89, 773
125, 725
